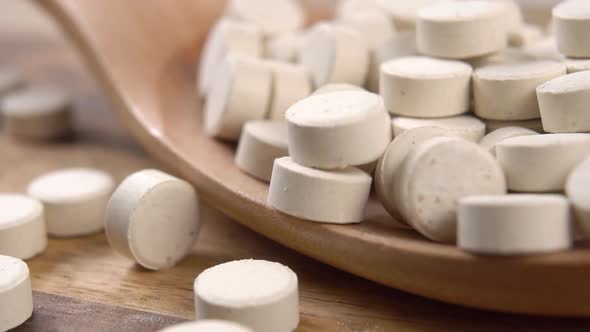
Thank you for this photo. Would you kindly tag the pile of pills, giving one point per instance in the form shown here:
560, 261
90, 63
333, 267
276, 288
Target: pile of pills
469, 122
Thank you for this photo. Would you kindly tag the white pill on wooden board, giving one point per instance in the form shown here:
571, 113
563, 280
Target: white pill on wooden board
272, 16
285, 47
260, 144
436, 175
153, 219
336, 87
490, 141
16, 296
404, 13
374, 26
37, 113
563, 102
207, 325
22, 226
74, 200
464, 126
425, 87
402, 44
241, 92
339, 129
334, 196
571, 20
527, 34
259, 294
535, 125
290, 83
507, 92
514, 224
227, 36
391, 161
461, 29
541, 163
576, 188
576, 65
10, 80
335, 54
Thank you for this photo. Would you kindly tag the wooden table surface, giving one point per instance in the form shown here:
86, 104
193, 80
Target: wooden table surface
82, 285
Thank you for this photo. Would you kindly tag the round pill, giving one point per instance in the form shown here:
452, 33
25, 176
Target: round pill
260, 144
338, 129
527, 34
563, 102
534, 125
336, 196
285, 47
290, 83
576, 65
10, 80
74, 200
272, 16
259, 294
425, 87
464, 126
227, 37
207, 325
37, 113
335, 54
514, 224
507, 92
505, 56
404, 13
374, 26
435, 176
402, 44
576, 187
545, 49
391, 161
153, 219
16, 296
336, 87
241, 92
541, 163
461, 29
490, 141
22, 226
571, 22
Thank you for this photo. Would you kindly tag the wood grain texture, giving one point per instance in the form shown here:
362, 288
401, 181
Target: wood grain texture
63, 314
145, 53
89, 274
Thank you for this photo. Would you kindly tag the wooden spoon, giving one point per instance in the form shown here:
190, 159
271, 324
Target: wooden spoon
145, 54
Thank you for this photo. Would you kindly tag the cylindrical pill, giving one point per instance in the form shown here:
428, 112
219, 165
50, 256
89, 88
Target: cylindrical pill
514, 224
37, 113
490, 140
207, 325
259, 294
462, 29
404, 13
290, 83
563, 102
22, 226
576, 188
401, 44
241, 92
464, 126
337, 196
335, 54
16, 296
541, 163
227, 36
285, 47
74, 200
571, 23
391, 161
260, 144
576, 65
153, 219
425, 87
507, 92
336, 87
339, 129
436, 175
272, 16
374, 26
535, 125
